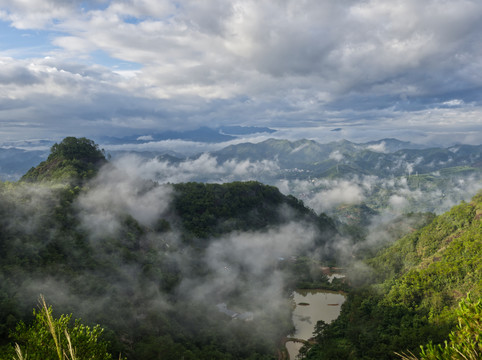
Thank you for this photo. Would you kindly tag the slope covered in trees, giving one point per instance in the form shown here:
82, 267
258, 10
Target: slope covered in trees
150, 262
73, 159
419, 281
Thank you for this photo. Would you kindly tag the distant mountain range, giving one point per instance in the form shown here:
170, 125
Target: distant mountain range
385, 157
202, 134
15, 162
382, 158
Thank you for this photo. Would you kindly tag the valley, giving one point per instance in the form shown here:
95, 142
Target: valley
206, 270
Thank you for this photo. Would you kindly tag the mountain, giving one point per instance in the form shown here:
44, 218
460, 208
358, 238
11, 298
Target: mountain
397, 158
290, 154
418, 282
15, 162
428, 179
150, 262
299, 159
202, 134
153, 263
167, 156
73, 159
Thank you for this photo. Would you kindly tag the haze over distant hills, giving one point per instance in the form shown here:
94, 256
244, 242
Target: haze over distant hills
388, 174
202, 134
375, 156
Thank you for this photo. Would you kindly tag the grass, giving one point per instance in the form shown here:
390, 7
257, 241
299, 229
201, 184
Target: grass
62, 354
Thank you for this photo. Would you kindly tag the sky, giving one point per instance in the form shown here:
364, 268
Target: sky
402, 68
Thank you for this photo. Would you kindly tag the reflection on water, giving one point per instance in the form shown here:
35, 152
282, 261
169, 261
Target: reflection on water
322, 305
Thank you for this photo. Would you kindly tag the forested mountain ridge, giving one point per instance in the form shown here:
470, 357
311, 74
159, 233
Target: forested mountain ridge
213, 209
419, 281
149, 262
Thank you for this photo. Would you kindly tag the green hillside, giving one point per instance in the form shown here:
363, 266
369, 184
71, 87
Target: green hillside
418, 282
150, 262
73, 159
210, 210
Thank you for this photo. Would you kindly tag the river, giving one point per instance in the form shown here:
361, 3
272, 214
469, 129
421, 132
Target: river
311, 306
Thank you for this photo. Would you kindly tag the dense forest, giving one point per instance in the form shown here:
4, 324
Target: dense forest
144, 269
150, 262
411, 293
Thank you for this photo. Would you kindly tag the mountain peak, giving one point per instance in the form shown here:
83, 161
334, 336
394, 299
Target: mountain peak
73, 159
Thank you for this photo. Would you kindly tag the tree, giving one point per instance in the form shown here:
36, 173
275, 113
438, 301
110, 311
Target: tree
77, 148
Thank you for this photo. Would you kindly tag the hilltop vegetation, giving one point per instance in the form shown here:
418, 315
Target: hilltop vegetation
213, 209
73, 159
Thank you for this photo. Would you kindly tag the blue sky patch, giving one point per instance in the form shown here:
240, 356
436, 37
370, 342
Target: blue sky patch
23, 44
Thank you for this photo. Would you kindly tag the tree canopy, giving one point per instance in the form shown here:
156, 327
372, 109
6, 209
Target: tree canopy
72, 160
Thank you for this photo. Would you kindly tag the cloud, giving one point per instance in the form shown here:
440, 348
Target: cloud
28, 206
151, 64
324, 195
34, 14
245, 264
240, 268
398, 202
343, 192
381, 147
454, 102
336, 155
113, 195
204, 168
145, 138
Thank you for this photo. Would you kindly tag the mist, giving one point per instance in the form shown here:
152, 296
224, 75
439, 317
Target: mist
116, 193
205, 168
119, 265
388, 197
123, 259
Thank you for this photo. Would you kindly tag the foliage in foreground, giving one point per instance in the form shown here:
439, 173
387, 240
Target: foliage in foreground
48, 338
465, 343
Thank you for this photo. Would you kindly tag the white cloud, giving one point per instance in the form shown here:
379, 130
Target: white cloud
454, 102
346, 194
204, 168
398, 202
115, 193
336, 155
407, 65
145, 138
25, 14
381, 147
254, 255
